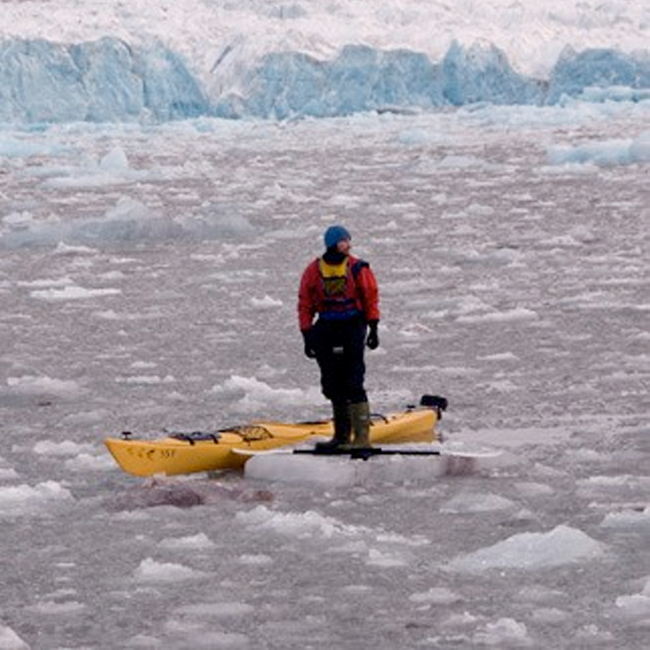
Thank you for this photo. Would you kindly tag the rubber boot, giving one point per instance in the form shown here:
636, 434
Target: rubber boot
360, 417
342, 428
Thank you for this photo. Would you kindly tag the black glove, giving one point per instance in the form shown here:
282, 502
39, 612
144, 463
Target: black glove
308, 338
373, 338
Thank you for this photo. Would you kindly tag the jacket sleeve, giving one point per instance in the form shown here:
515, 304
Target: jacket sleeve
369, 293
307, 299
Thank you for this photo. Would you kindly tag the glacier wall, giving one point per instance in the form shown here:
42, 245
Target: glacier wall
100, 81
109, 80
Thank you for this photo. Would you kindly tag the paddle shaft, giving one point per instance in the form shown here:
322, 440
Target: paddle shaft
365, 453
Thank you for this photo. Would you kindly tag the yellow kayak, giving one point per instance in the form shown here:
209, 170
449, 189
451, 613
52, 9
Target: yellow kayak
189, 453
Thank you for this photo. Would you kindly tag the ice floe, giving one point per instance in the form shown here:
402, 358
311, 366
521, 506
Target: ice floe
532, 551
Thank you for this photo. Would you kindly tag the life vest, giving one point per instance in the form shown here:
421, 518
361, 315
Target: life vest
340, 297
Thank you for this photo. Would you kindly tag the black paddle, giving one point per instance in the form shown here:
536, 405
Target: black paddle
364, 453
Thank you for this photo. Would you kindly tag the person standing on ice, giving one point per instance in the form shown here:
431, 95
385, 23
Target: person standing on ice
338, 313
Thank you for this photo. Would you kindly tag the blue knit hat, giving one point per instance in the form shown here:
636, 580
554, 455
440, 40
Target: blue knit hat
335, 234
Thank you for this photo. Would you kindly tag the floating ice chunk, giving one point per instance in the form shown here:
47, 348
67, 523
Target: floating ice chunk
612, 152
8, 474
415, 331
256, 560
500, 357
88, 179
47, 283
612, 482
609, 152
147, 380
151, 571
479, 210
636, 606
549, 615
591, 635
395, 538
31, 385
90, 463
72, 293
503, 386
504, 632
144, 365
435, 596
65, 448
385, 559
18, 219
24, 499
254, 394
337, 472
193, 542
266, 303
463, 620
13, 147
296, 524
143, 641
9, 640
66, 249
640, 148
637, 519
605, 486
129, 221
515, 315
87, 418
531, 551
114, 161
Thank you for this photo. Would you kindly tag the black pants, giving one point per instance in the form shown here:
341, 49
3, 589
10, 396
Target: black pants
339, 346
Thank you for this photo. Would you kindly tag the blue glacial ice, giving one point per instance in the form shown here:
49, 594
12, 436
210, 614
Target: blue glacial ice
109, 80
577, 72
359, 79
100, 81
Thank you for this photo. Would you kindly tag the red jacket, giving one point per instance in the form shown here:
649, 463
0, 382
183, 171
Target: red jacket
361, 292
